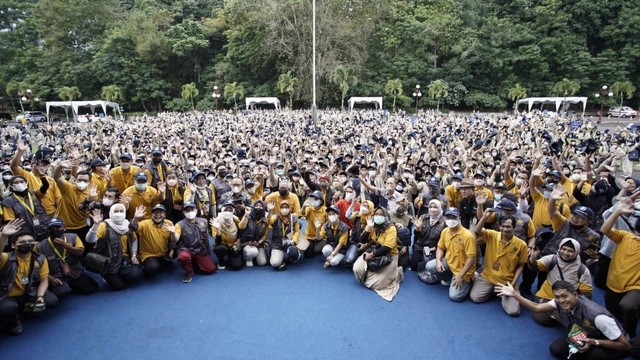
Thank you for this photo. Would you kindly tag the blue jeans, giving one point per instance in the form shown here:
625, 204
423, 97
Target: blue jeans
431, 276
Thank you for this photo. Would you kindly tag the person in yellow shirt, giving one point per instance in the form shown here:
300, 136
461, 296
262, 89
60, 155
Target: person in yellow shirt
156, 169
254, 189
22, 203
455, 260
335, 234
479, 181
225, 229
314, 211
452, 192
122, 177
202, 195
541, 215
379, 239
38, 174
74, 218
155, 236
622, 297
141, 194
99, 175
284, 235
274, 200
174, 197
23, 277
505, 258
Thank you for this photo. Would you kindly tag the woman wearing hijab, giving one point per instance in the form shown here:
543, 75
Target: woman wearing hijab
284, 236
113, 238
359, 224
427, 233
225, 230
383, 234
565, 265
253, 238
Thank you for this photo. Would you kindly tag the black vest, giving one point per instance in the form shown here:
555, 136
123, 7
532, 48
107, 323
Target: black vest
277, 234
21, 212
333, 238
193, 236
10, 270
584, 315
55, 263
254, 231
585, 238
155, 176
430, 234
113, 242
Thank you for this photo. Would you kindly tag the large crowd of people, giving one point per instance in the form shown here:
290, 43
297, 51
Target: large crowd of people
485, 204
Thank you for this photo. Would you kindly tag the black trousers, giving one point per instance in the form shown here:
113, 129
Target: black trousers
83, 285
315, 248
225, 253
123, 279
560, 350
10, 307
600, 279
625, 307
153, 265
82, 234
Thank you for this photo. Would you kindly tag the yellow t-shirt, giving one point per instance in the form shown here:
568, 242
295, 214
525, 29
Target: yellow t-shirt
102, 234
52, 195
227, 237
121, 179
69, 209
458, 247
388, 238
453, 196
541, 216
294, 202
311, 215
507, 257
100, 183
23, 271
569, 185
343, 238
623, 271
149, 198
153, 241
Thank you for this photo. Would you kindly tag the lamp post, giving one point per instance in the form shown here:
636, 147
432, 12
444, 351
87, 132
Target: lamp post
601, 95
417, 94
28, 96
216, 95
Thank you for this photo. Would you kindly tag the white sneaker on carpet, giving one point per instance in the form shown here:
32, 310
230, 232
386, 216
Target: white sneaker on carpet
221, 267
249, 263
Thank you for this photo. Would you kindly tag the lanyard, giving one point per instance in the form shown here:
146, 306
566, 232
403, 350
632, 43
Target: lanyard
64, 253
32, 208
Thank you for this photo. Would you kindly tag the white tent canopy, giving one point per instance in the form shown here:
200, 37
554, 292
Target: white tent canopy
75, 105
364, 100
555, 100
251, 102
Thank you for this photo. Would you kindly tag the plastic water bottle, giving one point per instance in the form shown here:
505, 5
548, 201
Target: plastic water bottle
572, 350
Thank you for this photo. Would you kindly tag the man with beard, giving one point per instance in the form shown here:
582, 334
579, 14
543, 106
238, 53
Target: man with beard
156, 169
154, 238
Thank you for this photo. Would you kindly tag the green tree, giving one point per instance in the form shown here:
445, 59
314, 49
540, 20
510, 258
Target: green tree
232, 91
69, 93
516, 93
438, 89
112, 93
345, 80
622, 88
566, 88
287, 84
189, 92
393, 88
14, 89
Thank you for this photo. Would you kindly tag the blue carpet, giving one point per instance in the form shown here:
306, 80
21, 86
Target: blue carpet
306, 312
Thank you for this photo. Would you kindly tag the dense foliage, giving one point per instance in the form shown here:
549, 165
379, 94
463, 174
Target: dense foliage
485, 53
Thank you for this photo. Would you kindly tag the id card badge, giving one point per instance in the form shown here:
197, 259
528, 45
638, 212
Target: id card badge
36, 222
496, 265
25, 280
66, 269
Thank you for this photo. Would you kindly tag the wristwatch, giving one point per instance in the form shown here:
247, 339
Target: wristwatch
596, 342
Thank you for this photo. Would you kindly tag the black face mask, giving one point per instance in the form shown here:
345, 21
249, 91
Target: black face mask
222, 173
258, 213
56, 234
283, 192
24, 249
156, 161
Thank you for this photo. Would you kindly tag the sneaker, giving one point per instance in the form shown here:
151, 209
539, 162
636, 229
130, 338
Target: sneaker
282, 267
187, 280
249, 263
326, 265
221, 267
445, 283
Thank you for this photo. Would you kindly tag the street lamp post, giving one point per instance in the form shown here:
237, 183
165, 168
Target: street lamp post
417, 94
601, 95
28, 96
216, 95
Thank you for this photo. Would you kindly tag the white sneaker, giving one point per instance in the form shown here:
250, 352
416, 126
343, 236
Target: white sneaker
249, 263
445, 283
221, 267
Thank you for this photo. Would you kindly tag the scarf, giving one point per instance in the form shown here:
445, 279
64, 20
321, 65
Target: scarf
569, 268
432, 220
121, 228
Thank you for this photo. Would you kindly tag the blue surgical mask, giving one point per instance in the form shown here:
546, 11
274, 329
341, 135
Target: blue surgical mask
379, 219
141, 187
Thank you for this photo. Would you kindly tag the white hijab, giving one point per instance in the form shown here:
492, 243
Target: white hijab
121, 227
439, 204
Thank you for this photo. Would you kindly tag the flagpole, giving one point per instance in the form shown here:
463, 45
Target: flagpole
314, 107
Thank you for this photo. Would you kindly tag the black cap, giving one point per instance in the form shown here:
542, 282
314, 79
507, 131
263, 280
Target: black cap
158, 207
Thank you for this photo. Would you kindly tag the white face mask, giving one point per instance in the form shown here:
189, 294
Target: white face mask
348, 197
236, 189
125, 166
82, 185
498, 197
210, 178
20, 187
227, 215
107, 202
118, 217
251, 190
280, 172
434, 212
379, 219
452, 223
372, 173
172, 182
190, 215
364, 211
316, 203
519, 181
478, 182
456, 185
333, 218
284, 211
576, 177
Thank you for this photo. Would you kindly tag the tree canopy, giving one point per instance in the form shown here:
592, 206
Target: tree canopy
150, 48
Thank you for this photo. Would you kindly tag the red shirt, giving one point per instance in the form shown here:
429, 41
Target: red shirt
343, 205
